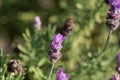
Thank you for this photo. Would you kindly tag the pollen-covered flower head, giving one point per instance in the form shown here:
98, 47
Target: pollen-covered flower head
61, 75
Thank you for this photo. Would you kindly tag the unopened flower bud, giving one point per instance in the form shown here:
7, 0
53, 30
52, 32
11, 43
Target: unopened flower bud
37, 23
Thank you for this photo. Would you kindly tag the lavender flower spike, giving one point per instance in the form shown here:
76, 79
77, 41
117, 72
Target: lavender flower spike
61, 75
55, 47
113, 17
113, 14
37, 23
57, 41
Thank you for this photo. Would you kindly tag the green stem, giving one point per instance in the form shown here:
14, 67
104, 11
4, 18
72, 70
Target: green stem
109, 34
9, 77
51, 71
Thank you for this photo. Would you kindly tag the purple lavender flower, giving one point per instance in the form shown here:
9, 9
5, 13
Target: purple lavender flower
37, 23
61, 75
115, 3
55, 47
57, 41
113, 14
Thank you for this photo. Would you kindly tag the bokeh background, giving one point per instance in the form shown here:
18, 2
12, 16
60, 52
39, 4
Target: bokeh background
82, 55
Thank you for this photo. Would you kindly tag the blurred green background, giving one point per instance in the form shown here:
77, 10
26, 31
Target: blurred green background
82, 52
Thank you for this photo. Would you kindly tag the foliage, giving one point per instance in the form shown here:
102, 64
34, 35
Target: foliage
34, 53
4, 74
82, 55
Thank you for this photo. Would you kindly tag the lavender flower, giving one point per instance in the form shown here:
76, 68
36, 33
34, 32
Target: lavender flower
61, 75
113, 14
55, 47
57, 41
37, 23
113, 17
115, 3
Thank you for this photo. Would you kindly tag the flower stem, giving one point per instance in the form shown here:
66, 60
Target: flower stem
51, 71
109, 34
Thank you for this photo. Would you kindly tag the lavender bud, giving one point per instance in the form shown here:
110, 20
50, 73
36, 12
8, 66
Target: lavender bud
61, 75
14, 66
37, 23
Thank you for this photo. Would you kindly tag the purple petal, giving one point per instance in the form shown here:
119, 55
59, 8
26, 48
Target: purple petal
61, 75
57, 41
114, 2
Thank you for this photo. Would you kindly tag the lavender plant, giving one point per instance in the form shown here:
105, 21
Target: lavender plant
82, 49
113, 17
56, 44
55, 47
35, 49
32, 55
